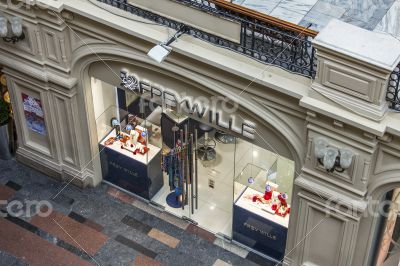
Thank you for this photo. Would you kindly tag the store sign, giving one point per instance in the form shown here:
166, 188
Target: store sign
259, 230
123, 169
171, 99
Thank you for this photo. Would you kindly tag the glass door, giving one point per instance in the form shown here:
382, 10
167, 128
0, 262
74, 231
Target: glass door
198, 173
215, 172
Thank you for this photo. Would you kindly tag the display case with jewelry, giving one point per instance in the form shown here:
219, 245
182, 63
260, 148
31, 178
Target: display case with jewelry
128, 157
261, 210
257, 189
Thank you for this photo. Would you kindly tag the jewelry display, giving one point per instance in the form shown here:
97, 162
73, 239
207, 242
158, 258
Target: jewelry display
271, 201
281, 208
180, 166
267, 196
116, 125
224, 138
110, 141
207, 151
134, 141
257, 189
133, 120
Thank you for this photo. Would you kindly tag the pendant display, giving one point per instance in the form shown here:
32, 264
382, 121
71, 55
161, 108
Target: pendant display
206, 151
224, 138
181, 170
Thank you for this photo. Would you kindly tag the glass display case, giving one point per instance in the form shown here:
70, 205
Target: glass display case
130, 152
261, 209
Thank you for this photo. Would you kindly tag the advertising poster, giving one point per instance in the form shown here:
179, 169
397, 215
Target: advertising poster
34, 114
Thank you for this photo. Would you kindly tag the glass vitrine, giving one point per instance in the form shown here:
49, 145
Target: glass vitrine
261, 207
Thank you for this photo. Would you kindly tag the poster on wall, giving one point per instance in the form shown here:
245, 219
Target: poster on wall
34, 114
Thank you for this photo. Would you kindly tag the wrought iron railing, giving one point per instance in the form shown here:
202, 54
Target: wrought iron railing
263, 38
393, 90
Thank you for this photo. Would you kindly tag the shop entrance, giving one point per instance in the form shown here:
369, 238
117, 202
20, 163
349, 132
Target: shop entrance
208, 186
194, 170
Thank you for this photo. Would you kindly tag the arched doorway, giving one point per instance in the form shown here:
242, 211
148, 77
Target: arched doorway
383, 245
247, 158
389, 243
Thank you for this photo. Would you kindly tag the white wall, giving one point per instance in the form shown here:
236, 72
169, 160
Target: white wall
105, 105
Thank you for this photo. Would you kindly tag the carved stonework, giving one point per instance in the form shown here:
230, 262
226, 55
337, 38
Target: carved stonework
357, 79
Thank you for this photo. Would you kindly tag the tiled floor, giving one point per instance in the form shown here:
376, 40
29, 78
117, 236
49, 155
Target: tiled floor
390, 23
382, 15
100, 226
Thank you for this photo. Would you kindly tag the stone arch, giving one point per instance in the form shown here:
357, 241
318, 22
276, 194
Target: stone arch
381, 184
288, 143
384, 183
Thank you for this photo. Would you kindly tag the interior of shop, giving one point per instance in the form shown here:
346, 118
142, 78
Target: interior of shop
222, 172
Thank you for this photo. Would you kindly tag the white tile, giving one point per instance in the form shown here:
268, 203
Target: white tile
241, 252
329, 9
227, 229
261, 5
219, 262
219, 220
318, 20
390, 23
287, 15
298, 6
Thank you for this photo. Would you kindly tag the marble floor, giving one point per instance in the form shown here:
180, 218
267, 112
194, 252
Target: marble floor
390, 23
378, 15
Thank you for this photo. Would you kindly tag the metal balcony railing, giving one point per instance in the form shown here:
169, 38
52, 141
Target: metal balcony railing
393, 91
263, 38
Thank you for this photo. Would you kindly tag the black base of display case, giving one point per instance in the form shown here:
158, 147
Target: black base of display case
144, 180
258, 233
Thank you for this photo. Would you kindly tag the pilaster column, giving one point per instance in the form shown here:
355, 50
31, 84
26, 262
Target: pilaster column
353, 68
44, 98
346, 109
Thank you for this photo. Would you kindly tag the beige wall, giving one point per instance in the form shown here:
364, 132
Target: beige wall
54, 64
104, 105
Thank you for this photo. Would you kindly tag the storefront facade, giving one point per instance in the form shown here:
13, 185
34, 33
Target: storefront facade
69, 52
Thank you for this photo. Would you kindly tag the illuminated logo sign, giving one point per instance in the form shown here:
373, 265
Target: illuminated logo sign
171, 99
